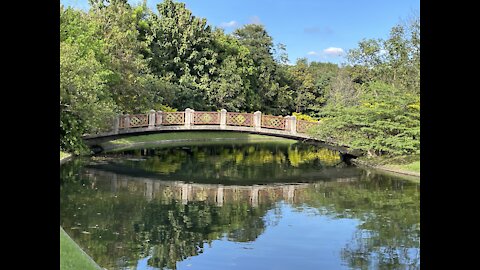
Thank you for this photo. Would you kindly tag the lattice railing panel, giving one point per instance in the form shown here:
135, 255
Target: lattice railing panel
275, 122
303, 126
173, 118
240, 119
206, 118
139, 120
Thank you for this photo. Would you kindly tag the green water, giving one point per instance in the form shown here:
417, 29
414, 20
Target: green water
239, 206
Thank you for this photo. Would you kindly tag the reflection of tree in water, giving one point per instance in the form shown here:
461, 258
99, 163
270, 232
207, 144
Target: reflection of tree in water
235, 162
389, 236
177, 231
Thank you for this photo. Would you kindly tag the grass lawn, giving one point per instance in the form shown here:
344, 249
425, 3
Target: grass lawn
180, 138
191, 136
64, 154
407, 163
72, 256
413, 166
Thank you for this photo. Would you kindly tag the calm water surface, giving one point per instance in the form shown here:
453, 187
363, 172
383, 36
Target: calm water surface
239, 206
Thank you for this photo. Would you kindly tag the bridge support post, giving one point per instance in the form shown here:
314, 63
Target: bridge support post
116, 123
293, 124
254, 195
188, 117
127, 121
223, 119
287, 123
186, 188
192, 117
158, 118
151, 119
219, 196
257, 120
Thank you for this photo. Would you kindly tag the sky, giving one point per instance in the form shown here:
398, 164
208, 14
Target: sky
319, 30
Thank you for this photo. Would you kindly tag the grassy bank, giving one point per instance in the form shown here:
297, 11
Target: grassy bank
72, 256
191, 136
179, 138
407, 164
64, 155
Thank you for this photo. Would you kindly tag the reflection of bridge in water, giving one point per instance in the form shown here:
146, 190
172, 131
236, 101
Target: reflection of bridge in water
211, 193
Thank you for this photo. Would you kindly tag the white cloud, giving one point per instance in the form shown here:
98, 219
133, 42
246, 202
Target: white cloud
317, 30
333, 51
255, 20
229, 24
312, 53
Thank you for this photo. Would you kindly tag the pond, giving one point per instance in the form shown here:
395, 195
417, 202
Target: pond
270, 205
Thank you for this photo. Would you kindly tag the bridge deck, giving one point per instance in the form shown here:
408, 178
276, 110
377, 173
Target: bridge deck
265, 131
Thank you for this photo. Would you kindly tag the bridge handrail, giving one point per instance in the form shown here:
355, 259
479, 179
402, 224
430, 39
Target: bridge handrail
189, 117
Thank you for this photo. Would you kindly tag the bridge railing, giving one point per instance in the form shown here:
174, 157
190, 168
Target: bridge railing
206, 118
172, 118
239, 119
273, 122
189, 118
303, 126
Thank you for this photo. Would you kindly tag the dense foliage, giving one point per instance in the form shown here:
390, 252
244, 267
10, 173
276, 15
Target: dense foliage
118, 58
374, 105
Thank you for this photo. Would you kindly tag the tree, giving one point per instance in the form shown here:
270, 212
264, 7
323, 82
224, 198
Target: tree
342, 90
85, 103
131, 83
304, 85
386, 120
395, 61
182, 50
265, 77
374, 103
230, 83
310, 84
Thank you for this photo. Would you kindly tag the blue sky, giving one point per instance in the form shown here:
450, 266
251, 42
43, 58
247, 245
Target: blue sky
320, 30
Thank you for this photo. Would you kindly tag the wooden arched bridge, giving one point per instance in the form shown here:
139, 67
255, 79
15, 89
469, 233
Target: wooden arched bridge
191, 120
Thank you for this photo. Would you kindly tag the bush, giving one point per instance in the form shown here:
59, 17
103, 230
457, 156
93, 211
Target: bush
71, 130
305, 117
387, 120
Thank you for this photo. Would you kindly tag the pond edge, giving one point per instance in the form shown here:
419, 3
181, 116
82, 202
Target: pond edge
63, 161
383, 168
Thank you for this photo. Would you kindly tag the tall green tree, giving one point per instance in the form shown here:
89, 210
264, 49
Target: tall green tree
230, 85
304, 85
85, 102
131, 84
395, 60
265, 78
310, 84
182, 51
